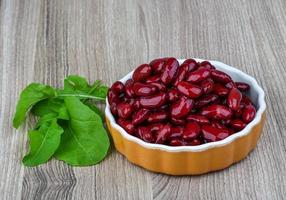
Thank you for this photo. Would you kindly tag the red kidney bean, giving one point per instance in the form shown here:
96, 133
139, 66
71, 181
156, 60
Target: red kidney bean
142, 89
140, 116
179, 122
154, 101
198, 75
172, 95
191, 131
126, 125
217, 125
142, 72
160, 86
177, 142
212, 134
207, 85
220, 76
191, 63
205, 100
226, 122
242, 86
129, 88
112, 96
176, 132
234, 99
181, 73
157, 65
136, 104
189, 89
157, 117
145, 134
248, 113
117, 87
124, 110
206, 64
155, 127
163, 134
238, 113
113, 108
230, 85
237, 124
245, 101
170, 69
216, 111
198, 118
152, 79
195, 142
220, 90
181, 108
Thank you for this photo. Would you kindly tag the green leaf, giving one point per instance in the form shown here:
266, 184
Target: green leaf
77, 84
95, 109
32, 94
100, 91
84, 141
46, 118
47, 106
43, 143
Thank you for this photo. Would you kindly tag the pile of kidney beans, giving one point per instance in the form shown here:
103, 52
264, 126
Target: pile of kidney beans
188, 104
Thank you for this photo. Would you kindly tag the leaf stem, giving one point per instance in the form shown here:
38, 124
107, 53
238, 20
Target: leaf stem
82, 96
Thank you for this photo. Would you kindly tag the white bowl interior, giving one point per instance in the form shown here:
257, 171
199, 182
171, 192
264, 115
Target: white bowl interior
256, 94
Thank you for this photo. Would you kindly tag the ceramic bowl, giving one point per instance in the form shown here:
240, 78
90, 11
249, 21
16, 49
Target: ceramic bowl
191, 160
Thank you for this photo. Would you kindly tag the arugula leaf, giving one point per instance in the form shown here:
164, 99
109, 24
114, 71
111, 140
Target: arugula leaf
95, 109
43, 143
32, 94
76, 84
100, 92
47, 106
84, 141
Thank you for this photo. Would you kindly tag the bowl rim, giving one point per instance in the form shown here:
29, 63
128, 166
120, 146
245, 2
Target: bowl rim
202, 147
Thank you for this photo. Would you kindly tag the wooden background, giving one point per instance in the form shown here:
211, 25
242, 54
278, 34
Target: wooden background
47, 40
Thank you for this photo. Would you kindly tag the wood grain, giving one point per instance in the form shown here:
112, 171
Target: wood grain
45, 41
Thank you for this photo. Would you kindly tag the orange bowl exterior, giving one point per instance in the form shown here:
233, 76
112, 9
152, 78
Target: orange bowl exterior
187, 162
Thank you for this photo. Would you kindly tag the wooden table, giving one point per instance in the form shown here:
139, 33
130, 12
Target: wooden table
45, 41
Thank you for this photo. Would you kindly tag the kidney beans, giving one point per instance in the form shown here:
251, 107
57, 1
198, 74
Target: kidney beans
234, 99
142, 89
126, 125
117, 87
192, 64
155, 127
172, 95
205, 100
176, 132
198, 118
248, 113
220, 90
170, 69
129, 88
140, 116
177, 121
230, 85
142, 72
216, 111
145, 134
191, 131
198, 75
237, 124
206, 64
174, 105
157, 65
124, 110
163, 134
157, 117
181, 73
195, 142
189, 89
154, 101
212, 134
207, 85
242, 86
181, 108
160, 86
220, 76
152, 79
